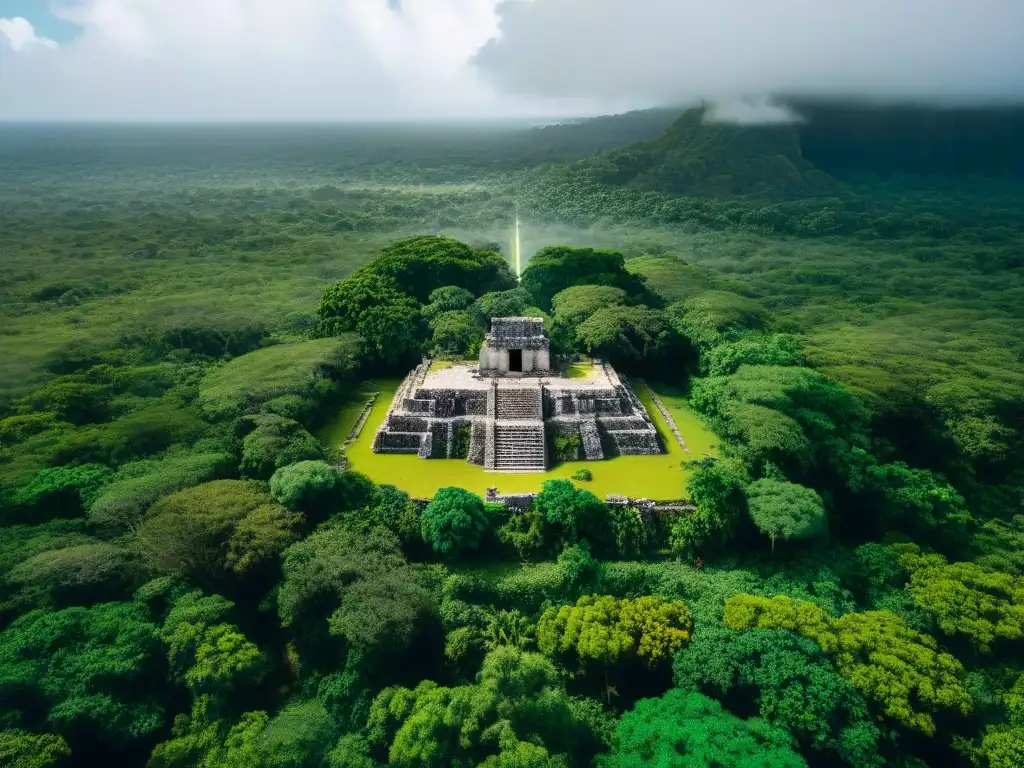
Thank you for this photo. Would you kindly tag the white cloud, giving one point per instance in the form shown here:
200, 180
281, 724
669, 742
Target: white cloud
759, 110
261, 59
381, 59
684, 50
21, 35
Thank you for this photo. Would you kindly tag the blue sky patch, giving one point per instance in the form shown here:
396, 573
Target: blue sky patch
39, 16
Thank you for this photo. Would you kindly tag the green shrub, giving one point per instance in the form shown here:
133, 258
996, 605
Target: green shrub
138, 484
307, 369
62, 491
148, 430
275, 442
527, 588
310, 486
78, 575
455, 521
567, 448
461, 440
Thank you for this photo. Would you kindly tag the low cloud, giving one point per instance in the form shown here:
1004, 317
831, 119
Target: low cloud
759, 110
299, 60
21, 35
256, 60
726, 51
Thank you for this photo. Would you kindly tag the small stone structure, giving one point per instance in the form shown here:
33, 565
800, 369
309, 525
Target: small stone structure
646, 508
515, 345
506, 419
513, 502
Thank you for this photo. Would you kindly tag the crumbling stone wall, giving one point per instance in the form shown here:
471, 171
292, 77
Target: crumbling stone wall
514, 502
397, 442
400, 423
630, 443
477, 443
557, 428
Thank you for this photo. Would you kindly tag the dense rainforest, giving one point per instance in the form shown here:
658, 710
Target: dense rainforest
192, 576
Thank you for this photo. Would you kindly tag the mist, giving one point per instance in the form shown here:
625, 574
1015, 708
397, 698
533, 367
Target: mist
374, 60
734, 53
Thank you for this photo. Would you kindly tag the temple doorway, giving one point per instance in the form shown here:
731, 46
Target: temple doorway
515, 361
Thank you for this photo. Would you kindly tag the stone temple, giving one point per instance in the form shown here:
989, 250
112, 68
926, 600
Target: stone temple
506, 413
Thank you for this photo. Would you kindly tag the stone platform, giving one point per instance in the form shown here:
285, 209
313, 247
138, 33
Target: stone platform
509, 423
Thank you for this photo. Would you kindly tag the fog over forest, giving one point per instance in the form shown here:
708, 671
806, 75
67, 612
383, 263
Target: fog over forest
406, 59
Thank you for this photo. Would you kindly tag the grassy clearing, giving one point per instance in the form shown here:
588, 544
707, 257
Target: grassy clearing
441, 365
658, 477
580, 371
337, 430
700, 440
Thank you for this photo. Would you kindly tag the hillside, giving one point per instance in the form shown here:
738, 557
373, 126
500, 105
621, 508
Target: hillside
849, 139
696, 158
834, 143
569, 141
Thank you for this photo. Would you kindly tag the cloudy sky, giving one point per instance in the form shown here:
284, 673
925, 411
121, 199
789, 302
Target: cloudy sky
407, 59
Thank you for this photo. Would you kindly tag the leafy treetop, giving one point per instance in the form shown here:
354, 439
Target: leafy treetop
890, 663
688, 730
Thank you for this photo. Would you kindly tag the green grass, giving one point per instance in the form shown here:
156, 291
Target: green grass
440, 365
337, 430
656, 477
700, 441
579, 371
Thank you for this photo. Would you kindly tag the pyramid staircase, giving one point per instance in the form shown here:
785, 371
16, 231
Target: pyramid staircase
519, 444
518, 403
519, 447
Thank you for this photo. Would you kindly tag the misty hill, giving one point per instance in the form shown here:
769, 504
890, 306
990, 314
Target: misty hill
697, 158
850, 139
831, 143
576, 139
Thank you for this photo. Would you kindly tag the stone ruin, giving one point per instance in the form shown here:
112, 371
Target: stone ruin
515, 345
646, 509
505, 413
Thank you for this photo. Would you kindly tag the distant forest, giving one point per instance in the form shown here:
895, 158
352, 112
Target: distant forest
191, 576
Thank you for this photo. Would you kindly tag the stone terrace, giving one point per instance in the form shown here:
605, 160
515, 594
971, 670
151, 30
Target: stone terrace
510, 421
505, 412
462, 377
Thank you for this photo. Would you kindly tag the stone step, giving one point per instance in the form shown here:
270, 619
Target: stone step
518, 403
519, 447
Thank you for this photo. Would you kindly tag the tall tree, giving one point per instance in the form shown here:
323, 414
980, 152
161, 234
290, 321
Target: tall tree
967, 600
87, 670
634, 337
455, 521
573, 513
895, 666
224, 525
791, 680
553, 269
602, 629
387, 319
783, 510
21, 749
357, 587
516, 712
716, 490
688, 730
